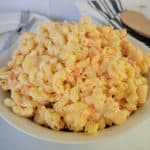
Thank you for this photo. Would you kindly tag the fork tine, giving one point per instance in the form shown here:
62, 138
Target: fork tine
121, 6
29, 25
94, 4
27, 15
104, 5
21, 16
24, 17
115, 6
90, 4
98, 6
107, 4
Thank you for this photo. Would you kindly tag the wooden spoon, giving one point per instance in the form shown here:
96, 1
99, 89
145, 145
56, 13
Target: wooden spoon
136, 21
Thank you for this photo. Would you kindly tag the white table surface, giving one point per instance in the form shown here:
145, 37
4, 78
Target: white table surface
12, 139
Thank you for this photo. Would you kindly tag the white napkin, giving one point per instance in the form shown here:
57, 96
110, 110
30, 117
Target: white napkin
9, 18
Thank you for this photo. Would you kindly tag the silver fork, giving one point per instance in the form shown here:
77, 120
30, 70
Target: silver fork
101, 9
114, 12
24, 19
25, 16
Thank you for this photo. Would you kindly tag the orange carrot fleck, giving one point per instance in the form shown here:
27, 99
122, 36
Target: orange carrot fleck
12, 76
83, 76
45, 52
132, 60
76, 72
100, 72
91, 35
91, 54
21, 105
121, 103
92, 107
93, 45
26, 87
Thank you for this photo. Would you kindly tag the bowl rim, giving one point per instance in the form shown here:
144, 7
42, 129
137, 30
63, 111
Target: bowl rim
98, 137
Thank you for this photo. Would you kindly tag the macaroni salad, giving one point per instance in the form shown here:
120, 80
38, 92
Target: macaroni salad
74, 76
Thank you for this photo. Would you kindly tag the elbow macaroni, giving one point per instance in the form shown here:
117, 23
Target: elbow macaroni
76, 76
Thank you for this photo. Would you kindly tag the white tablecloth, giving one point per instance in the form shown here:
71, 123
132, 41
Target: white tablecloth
11, 138
58, 9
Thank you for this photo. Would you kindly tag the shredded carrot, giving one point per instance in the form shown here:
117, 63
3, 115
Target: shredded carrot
25, 87
12, 76
132, 60
100, 72
56, 43
91, 35
89, 85
93, 45
121, 104
91, 54
68, 103
92, 107
21, 105
77, 72
45, 52
83, 76
94, 114
112, 77
140, 104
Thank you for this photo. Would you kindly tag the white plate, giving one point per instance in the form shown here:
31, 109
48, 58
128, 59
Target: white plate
30, 128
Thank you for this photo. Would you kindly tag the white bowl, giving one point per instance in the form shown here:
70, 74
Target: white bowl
30, 128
